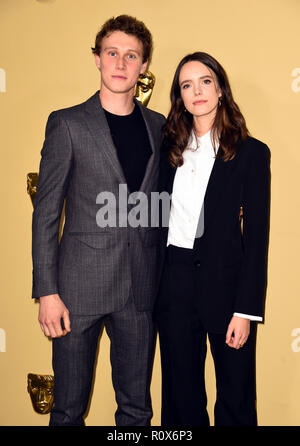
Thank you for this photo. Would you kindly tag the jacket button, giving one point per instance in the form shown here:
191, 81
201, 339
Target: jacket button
197, 263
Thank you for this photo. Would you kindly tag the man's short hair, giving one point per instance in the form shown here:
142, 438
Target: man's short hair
129, 25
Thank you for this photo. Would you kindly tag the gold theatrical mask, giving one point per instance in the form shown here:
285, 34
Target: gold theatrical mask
32, 179
40, 389
144, 87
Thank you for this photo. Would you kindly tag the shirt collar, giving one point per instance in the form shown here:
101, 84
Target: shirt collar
203, 142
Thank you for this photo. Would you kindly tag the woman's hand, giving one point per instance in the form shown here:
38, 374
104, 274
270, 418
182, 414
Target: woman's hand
238, 332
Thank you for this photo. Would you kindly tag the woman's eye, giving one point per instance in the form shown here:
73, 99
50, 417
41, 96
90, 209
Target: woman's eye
185, 86
207, 81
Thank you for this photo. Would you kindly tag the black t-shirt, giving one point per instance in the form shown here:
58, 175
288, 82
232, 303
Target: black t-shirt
130, 136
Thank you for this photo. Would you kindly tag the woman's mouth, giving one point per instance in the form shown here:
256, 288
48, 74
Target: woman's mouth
199, 102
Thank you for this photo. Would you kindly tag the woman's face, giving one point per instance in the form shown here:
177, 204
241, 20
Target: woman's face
199, 88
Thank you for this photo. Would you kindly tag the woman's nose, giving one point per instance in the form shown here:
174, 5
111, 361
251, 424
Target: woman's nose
197, 89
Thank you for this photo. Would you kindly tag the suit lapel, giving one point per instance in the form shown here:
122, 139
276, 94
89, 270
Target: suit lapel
154, 147
99, 128
215, 189
171, 176
97, 124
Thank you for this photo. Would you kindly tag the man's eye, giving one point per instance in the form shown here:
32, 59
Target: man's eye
131, 56
112, 53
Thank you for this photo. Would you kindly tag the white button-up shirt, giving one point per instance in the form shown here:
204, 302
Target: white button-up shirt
189, 188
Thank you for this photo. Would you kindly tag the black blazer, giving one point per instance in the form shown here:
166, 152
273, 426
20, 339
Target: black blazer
231, 263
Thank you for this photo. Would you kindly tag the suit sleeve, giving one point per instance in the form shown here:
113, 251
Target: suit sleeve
256, 212
54, 173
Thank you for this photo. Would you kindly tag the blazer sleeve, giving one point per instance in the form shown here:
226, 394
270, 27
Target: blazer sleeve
256, 211
54, 173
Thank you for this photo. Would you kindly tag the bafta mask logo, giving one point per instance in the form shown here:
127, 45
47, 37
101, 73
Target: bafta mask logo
40, 389
32, 179
144, 87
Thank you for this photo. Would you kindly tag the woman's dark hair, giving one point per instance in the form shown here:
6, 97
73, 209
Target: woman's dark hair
129, 25
229, 125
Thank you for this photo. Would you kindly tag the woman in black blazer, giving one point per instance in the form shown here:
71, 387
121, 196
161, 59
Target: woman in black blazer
214, 275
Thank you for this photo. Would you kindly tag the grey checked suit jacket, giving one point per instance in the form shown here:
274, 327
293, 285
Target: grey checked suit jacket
93, 269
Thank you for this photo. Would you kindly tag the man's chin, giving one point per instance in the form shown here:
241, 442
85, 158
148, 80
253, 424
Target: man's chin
119, 89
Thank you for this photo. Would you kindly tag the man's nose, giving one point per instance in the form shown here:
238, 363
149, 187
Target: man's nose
120, 63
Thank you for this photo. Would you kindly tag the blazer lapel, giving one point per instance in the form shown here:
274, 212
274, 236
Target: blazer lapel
171, 176
154, 146
215, 189
97, 124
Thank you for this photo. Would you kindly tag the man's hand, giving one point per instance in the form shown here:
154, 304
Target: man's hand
238, 332
52, 310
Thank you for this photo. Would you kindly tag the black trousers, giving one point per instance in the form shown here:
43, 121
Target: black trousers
131, 335
183, 346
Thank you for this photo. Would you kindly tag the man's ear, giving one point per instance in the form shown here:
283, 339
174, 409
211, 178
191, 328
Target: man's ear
97, 61
144, 67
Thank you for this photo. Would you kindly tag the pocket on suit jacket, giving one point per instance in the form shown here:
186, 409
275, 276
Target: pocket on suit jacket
96, 240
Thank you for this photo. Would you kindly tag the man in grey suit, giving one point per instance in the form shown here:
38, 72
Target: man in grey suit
99, 275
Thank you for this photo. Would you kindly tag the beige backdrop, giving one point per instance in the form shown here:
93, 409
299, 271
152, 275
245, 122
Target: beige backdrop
46, 64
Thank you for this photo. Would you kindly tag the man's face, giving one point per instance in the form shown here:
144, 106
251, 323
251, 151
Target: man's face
120, 62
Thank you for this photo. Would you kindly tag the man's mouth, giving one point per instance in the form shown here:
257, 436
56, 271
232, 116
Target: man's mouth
119, 77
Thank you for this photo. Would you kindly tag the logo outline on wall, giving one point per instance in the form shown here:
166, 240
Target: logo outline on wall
296, 342
2, 340
296, 82
2, 80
